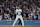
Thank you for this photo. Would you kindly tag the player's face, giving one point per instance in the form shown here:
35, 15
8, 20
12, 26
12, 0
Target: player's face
18, 7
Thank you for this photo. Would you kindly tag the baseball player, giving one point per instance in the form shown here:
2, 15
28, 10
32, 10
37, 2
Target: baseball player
18, 16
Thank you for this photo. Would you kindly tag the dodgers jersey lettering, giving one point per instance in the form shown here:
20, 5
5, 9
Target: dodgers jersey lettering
18, 11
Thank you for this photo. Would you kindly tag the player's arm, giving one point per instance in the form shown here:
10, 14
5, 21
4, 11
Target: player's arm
21, 10
16, 12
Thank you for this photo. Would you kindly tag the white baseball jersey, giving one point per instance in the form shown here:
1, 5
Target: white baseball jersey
18, 11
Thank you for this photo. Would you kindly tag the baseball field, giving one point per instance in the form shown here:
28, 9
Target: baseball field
17, 26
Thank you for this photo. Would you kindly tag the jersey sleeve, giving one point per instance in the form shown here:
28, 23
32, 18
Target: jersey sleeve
16, 11
21, 10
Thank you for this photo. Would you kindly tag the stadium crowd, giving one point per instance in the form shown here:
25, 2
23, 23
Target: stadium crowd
30, 9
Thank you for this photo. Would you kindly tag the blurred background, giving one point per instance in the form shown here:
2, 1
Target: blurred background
30, 9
